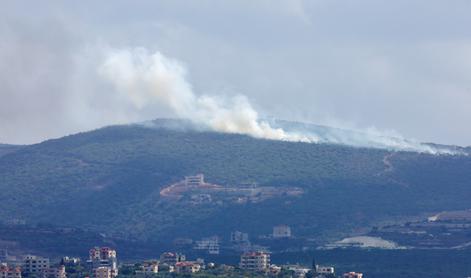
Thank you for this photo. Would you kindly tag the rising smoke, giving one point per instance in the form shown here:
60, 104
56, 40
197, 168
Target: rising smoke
146, 78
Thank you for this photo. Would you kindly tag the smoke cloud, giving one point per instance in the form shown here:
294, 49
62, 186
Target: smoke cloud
148, 78
152, 78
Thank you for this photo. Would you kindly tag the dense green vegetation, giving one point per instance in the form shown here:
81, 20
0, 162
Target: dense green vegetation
108, 180
6, 149
57, 242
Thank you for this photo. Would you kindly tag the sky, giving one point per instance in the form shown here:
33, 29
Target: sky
396, 66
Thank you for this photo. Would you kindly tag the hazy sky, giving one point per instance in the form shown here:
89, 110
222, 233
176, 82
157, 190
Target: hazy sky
393, 65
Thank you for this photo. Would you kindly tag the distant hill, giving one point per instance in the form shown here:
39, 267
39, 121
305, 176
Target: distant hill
6, 149
109, 180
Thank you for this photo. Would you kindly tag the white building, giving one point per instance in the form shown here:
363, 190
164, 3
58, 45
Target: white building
239, 237
100, 257
187, 267
299, 271
325, 269
194, 181
255, 261
70, 260
148, 268
209, 244
171, 259
274, 269
282, 231
352, 275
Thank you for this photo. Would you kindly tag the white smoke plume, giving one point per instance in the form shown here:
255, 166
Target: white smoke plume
147, 78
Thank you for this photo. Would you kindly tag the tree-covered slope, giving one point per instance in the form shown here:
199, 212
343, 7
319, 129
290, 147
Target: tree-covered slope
109, 180
6, 149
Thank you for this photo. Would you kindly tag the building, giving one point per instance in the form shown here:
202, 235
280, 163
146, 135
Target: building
274, 269
199, 199
103, 272
209, 244
299, 271
35, 264
9, 272
166, 268
239, 237
282, 231
187, 267
324, 269
255, 261
103, 257
148, 268
170, 258
103, 253
194, 181
352, 275
70, 260
54, 272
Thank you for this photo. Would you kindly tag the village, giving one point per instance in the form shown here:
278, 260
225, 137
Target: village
102, 262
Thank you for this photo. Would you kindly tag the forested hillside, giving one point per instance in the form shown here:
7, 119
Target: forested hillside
109, 180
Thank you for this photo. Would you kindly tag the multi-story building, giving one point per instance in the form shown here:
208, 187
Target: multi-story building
170, 258
209, 244
35, 264
103, 257
187, 267
255, 261
103, 272
103, 253
9, 272
352, 275
194, 181
54, 272
282, 231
